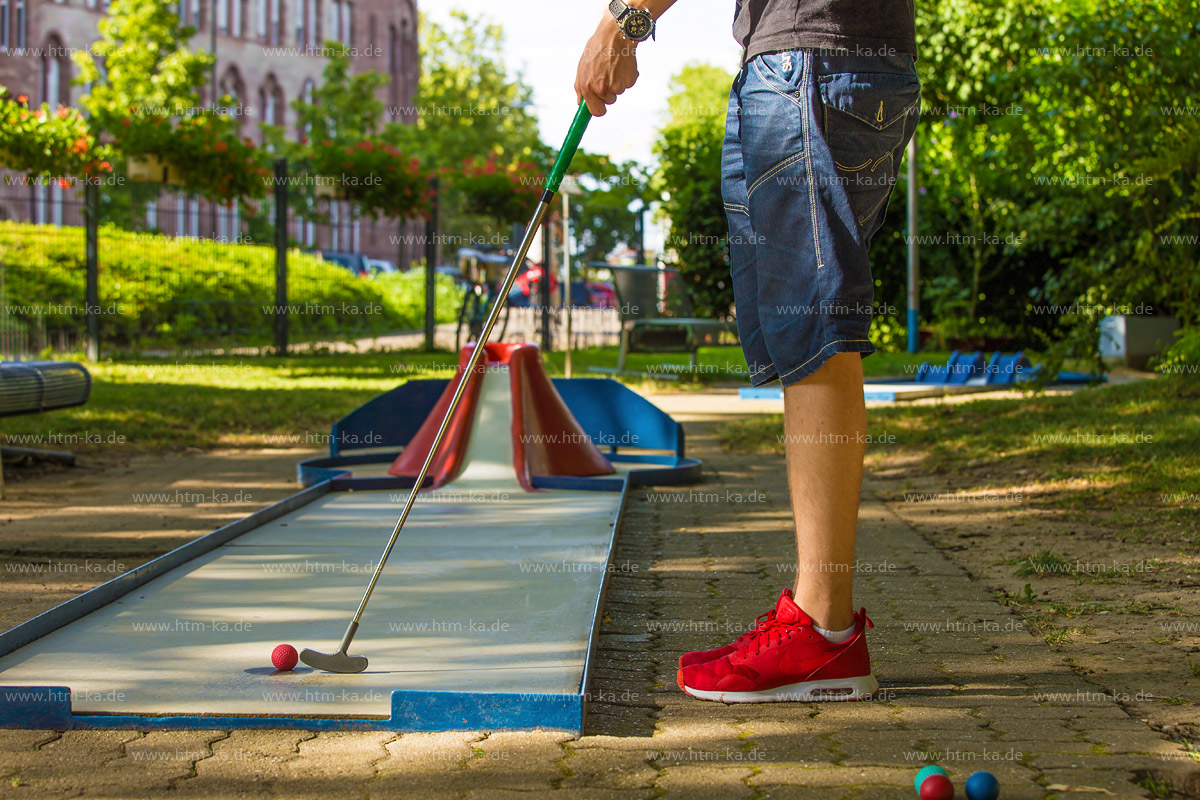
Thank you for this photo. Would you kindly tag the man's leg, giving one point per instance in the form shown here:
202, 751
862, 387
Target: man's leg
824, 421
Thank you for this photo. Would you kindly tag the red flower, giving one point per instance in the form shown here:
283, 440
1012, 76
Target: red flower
22, 98
220, 147
63, 183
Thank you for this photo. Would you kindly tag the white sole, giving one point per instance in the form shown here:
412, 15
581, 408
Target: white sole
860, 688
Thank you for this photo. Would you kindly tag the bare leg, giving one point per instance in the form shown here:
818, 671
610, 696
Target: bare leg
825, 420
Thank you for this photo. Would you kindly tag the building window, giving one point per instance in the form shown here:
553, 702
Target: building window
39, 206
152, 215
348, 22
276, 22
300, 14
335, 225
233, 86
237, 18
53, 85
4, 33
333, 20
401, 46
20, 24
313, 24
306, 97
223, 15
260, 16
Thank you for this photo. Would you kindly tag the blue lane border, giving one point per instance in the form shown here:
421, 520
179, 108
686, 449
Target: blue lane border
413, 711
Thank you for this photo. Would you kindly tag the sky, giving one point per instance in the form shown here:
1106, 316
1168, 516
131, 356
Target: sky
544, 42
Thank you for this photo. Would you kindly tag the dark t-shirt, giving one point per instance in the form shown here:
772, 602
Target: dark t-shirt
854, 27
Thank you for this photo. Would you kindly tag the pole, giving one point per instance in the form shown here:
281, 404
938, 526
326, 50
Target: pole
544, 287
91, 202
566, 234
914, 255
431, 257
641, 232
281, 266
213, 10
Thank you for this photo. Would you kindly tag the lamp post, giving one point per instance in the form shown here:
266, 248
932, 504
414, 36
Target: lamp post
569, 187
914, 253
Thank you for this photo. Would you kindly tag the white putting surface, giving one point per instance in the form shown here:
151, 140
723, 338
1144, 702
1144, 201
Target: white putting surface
490, 588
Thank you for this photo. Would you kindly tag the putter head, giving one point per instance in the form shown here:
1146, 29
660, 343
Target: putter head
336, 662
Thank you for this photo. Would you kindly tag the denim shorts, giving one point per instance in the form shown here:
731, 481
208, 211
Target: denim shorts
812, 146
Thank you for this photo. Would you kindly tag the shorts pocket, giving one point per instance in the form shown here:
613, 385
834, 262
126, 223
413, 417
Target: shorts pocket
867, 119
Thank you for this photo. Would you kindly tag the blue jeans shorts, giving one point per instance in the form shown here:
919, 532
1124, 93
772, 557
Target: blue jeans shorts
812, 146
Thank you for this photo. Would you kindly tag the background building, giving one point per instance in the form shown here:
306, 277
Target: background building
268, 55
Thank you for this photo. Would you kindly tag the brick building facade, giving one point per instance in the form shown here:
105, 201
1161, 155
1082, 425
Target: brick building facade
268, 55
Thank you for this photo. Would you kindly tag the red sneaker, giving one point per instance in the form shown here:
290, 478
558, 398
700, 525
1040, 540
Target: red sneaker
703, 656
785, 659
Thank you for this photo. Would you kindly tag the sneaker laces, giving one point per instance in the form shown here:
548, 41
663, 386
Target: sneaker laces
761, 621
767, 633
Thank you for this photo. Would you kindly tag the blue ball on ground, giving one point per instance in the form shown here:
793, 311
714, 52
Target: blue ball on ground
932, 769
982, 786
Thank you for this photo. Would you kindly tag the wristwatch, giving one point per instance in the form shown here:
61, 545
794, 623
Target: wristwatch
636, 24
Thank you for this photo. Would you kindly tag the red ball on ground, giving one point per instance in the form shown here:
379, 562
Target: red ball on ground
937, 787
284, 657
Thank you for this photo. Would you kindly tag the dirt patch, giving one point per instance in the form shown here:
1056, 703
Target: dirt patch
66, 530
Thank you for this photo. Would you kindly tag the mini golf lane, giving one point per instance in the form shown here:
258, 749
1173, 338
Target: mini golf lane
490, 589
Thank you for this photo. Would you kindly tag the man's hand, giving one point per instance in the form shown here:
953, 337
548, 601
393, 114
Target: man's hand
607, 68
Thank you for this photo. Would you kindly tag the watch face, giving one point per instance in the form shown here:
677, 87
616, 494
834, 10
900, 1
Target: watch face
638, 25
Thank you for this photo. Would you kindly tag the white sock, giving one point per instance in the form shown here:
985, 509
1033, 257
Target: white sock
836, 637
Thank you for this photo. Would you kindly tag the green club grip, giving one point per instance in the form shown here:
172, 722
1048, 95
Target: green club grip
574, 137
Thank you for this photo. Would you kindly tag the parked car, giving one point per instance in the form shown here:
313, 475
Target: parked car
380, 266
602, 295
355, 262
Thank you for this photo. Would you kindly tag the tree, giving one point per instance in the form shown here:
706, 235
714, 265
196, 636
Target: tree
1055, 129
145, 95
468, 105
689, 180
607, 215
469, 110
347, 144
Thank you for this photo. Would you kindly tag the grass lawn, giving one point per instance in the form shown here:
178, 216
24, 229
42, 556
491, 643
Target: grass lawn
167, 405
1127, 453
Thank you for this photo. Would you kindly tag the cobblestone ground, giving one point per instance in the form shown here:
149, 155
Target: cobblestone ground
963, 684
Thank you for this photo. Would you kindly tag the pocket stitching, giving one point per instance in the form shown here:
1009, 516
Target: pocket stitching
770, 86
773, 171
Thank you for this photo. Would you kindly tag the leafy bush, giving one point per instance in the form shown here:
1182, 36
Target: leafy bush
47, 141
157, 290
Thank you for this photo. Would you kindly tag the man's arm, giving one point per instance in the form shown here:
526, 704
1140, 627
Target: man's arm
609, 63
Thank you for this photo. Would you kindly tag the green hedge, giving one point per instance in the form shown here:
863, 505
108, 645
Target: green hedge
157, 290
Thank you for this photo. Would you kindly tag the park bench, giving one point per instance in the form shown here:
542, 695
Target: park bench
645, 329
32, 387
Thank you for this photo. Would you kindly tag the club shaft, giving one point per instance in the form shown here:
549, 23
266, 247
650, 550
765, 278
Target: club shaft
468, 374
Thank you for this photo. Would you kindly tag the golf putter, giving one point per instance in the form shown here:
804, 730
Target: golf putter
341, 661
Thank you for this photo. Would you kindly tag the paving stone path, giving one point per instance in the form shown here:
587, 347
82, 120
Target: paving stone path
964, 684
